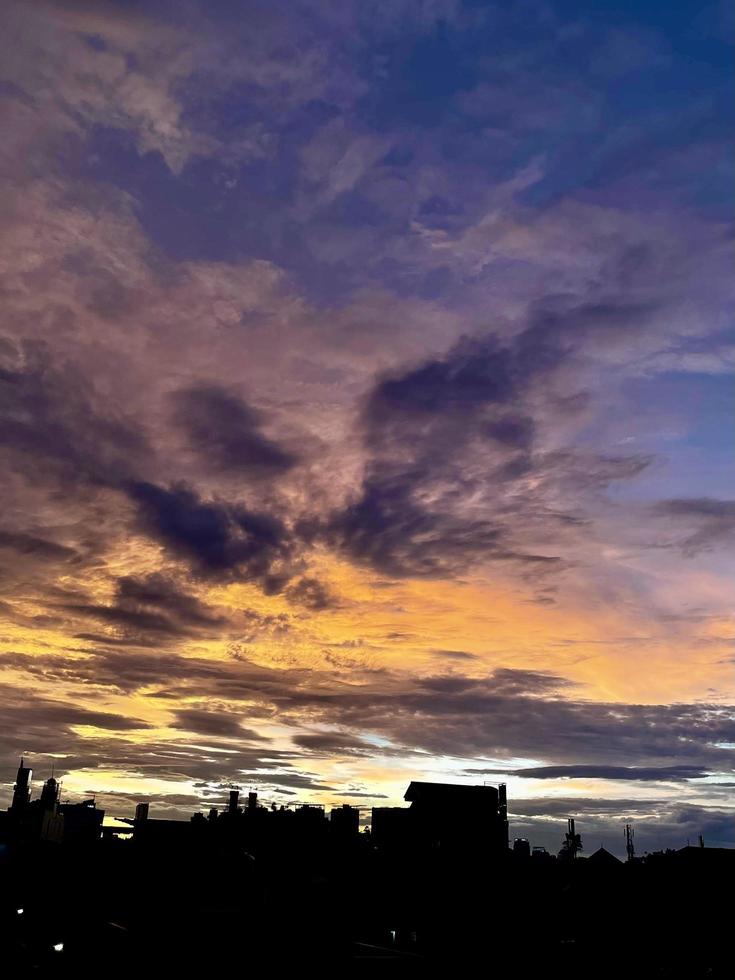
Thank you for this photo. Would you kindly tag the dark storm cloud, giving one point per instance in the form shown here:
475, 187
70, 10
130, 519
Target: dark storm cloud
226, 431
635, 773
217, 538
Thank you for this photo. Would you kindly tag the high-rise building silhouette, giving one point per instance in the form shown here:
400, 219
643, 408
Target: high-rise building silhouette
22, 787
50, 794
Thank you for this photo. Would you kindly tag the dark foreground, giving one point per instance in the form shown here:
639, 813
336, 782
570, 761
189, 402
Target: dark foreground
116, 909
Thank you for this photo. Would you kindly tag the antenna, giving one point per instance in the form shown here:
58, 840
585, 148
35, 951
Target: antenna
629, 846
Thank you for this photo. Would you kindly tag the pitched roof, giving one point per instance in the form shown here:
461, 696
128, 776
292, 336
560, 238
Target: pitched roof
603, 857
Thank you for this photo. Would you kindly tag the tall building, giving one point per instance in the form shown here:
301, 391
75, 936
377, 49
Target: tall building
82, 822
456, 818
50, 794
344, 821
52, 821
22, 788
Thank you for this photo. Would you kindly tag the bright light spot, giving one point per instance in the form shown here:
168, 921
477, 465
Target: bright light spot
58, 947
392, 935
20, 911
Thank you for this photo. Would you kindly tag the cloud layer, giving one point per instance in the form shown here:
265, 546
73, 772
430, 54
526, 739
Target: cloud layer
362, 373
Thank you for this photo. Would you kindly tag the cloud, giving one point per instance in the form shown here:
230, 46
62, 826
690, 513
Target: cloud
227, 432
38, 724
125, 77
218, 539
276, 329
50, 420
454, 654
453, 477
152, 607
506, 714
703, 523
295, 780
28, 544
138, 619
204, 721
330, 743
312, 594
162, 592
635, 773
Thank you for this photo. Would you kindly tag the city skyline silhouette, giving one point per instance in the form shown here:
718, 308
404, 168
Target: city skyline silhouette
437, 878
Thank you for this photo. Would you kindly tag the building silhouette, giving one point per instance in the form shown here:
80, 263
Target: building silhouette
458, 817
344, 822
437, 882
46, 819
22, 787
82, 822
390, 827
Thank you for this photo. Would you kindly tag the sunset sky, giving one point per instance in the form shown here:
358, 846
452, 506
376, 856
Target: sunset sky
366, 405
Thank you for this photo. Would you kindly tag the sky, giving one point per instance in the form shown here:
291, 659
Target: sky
366, 406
